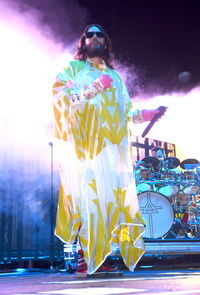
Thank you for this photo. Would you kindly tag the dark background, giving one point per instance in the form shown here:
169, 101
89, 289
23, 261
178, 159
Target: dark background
161, 37
157, 39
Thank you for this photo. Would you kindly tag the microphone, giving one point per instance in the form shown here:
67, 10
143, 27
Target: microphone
157, 116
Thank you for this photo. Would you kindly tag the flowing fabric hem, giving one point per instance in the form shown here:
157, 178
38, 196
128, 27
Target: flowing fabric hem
135, 241
110, 242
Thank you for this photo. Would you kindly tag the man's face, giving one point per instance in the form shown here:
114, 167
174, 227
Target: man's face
94, 44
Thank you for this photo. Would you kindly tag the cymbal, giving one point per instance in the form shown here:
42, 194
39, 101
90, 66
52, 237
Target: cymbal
150, 162
189, 164
171, 162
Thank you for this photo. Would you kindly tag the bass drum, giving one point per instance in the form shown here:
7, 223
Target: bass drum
157, 212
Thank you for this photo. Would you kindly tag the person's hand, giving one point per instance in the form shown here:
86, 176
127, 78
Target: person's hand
98, 86
105, 80
148, 115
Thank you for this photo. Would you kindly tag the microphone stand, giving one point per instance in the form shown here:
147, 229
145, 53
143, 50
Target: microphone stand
51, 209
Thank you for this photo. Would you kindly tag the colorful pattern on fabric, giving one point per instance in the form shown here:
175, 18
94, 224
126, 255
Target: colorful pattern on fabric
97, 198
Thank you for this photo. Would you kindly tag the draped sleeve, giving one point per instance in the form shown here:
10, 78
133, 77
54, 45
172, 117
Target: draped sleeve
65, 95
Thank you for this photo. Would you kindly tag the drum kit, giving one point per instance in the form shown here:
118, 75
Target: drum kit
169, 197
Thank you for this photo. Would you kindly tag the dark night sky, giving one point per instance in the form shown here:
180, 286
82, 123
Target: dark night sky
162, 37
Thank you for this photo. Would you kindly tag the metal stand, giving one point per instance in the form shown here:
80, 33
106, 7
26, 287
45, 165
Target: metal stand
51, 209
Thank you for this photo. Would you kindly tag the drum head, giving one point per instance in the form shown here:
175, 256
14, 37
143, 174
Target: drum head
157, 213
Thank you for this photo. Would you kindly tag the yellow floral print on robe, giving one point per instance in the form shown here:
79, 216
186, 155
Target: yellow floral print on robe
97, 200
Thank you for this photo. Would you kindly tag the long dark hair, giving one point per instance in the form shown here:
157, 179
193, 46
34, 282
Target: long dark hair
81, 53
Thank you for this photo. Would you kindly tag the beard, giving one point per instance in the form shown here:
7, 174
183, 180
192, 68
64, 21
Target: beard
95, 49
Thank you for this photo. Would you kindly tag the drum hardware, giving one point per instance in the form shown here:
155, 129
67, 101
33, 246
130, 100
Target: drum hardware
180, 227
170, 185
190, 188
189, 175
188, 215
143, 187
143, 175
169, 190
189, 164
156, 176
182, 202
181, 233
170, 178
182, 191
191, 233
190, 179
150, 162
198, 173
190, 184
171, 162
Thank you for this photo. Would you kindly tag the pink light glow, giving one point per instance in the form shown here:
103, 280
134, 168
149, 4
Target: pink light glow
29, 63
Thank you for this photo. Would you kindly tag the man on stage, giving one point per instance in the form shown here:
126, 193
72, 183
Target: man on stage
98, 200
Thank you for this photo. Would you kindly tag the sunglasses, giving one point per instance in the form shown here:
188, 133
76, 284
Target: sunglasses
90, 35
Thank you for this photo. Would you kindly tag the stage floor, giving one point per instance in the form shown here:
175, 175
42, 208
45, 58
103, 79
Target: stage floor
163, 282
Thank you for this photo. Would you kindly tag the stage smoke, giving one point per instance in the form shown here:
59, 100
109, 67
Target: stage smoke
36, 38
132, 76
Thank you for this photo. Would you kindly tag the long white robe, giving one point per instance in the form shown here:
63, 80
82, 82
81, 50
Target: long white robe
98, 200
